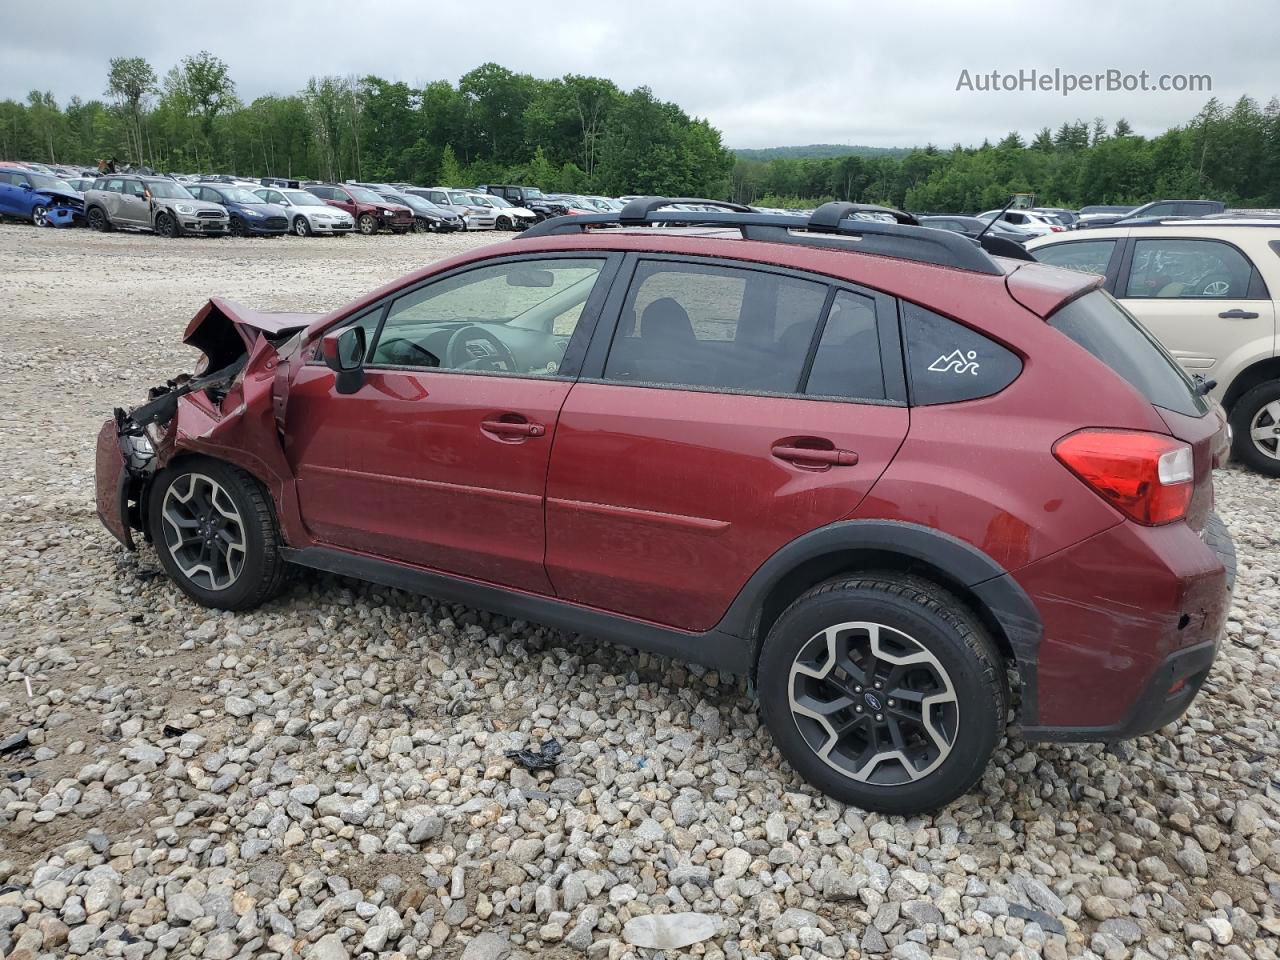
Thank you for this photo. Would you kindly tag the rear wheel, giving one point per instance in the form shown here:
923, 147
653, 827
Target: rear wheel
301, 227
1255, 427
368, 224
40, 215
215, 533
97, 220
883, 691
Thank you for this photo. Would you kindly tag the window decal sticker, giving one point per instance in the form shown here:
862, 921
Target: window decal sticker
956, 362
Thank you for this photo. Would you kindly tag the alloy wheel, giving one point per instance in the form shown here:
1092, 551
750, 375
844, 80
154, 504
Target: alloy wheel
97, 220
873, 703
301, 227
237, 227
203, 531
1265, 430
40, 215
368, 226
165, 226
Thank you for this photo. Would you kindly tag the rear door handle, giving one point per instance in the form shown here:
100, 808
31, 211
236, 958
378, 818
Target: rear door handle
513, 428
1238, 315
808, 456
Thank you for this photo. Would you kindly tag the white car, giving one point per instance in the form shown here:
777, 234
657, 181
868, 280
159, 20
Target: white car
507, 215
308, 214
1037, 224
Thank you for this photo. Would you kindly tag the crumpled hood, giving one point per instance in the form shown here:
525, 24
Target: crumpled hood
67, 196
224, 330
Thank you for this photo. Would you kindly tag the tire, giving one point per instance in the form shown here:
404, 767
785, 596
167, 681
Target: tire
97, 220
40, 215
1255, 428
421, 225
301, 226
503, 224
957, 668
166, 226
237, 228
196, 490
367, 224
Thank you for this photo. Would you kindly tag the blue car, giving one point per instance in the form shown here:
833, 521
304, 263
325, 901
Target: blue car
44, 200
250, 215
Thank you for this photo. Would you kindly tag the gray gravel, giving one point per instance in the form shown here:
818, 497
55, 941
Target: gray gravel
325, 777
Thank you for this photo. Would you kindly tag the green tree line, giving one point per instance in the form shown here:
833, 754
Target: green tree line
573, 133
1223, 153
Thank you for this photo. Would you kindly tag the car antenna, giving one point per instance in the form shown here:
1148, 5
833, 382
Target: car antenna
992, 222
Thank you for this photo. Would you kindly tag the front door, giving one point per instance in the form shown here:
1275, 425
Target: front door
440, 458
1200, 298
708, 439
135, 209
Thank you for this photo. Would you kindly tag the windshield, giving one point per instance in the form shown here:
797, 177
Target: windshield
498, 202
301, 198
533, 193
43, 182
480, 200
460, 198
167, 190
236, 195
364, 196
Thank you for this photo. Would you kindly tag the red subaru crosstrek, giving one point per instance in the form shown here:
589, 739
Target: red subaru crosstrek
887, 474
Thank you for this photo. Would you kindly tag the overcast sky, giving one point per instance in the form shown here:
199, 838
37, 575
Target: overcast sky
765, 72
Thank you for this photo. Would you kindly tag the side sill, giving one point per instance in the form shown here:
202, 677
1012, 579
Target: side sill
715, 649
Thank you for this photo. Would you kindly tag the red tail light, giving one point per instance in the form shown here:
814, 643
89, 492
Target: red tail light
1146, 476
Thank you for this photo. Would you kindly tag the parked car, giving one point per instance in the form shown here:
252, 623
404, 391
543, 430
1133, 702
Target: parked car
937, 464
44, 200
307, 213
370, 212
1207, 290
151, 203
1037, 224
1068, 218
972, 227
1157, 208
427, 216
507, 216
81, 184
248, 213
531, 198
474, 216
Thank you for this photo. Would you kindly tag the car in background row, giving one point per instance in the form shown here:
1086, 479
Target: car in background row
1157, 208
507, 216
151, 203
972, 227
249, 214
1068, 218
307, 213
370, 212
1209, 290
45, 200
474, 216
427, 217
1037, 224
531, 198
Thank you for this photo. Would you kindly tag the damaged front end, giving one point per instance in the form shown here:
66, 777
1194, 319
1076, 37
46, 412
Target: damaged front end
60, 209
232, 409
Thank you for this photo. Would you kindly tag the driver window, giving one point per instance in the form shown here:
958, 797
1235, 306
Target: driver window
515, 317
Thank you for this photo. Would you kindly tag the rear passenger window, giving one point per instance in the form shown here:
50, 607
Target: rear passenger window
715, 327
947, 362
1188, 269
847, 362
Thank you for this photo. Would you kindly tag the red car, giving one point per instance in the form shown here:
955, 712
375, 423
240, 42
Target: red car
370, 211
868, 464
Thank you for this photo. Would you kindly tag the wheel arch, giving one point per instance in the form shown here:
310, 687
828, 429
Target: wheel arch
1258, 372
852, 546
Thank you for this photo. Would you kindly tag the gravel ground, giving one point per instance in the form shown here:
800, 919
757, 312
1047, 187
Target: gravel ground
325, 777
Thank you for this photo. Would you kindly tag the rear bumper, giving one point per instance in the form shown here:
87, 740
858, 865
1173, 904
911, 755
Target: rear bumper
1132, 619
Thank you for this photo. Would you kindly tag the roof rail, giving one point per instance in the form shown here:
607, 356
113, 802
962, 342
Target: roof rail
832, 225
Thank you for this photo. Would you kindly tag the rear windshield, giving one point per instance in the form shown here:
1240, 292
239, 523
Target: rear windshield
1110, 333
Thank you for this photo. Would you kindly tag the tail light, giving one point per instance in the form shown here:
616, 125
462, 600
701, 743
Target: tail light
1057, 229
1146, 476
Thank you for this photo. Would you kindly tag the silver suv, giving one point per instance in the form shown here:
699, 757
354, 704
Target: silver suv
1208, 289
151, 203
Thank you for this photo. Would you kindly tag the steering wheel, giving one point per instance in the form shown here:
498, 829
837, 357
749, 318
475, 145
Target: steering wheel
457, 358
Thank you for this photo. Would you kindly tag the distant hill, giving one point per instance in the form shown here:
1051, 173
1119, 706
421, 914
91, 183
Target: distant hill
816, 150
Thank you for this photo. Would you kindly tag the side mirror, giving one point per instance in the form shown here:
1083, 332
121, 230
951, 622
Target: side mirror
26, 186
343, 353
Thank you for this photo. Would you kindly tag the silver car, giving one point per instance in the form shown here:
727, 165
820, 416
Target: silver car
151, 203
307, 213
473, 215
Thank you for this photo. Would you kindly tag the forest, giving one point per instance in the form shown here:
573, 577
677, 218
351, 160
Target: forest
585, 134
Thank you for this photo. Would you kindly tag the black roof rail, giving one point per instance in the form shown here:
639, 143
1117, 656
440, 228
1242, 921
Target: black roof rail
828, 216
904, 241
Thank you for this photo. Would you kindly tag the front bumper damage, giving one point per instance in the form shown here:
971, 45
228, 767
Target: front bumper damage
61, 209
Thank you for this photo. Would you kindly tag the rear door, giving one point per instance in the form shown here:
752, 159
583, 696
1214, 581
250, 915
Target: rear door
1201, 298
9, 191
729, 410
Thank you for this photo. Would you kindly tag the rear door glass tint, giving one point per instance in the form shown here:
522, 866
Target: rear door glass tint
947, 362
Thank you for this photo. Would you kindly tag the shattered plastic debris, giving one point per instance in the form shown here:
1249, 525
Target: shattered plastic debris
543, 758
20, 740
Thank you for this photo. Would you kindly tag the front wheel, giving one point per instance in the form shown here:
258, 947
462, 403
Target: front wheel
504, 224
237, 228
368, 224
166, 226
883, 691
216, 534
40, 215
1255, 428
301, 227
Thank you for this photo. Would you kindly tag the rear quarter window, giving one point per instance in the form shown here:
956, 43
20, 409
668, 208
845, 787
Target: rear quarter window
1109, 332
947, 362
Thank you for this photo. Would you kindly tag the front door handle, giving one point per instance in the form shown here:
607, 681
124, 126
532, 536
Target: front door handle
1238, 315
811, 456
513, 428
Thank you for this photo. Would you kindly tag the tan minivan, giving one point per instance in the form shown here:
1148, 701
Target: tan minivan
1207, 288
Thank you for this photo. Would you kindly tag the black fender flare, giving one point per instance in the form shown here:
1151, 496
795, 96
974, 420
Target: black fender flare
984, 580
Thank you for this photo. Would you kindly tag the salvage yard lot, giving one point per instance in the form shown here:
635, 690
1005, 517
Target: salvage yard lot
342, 772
